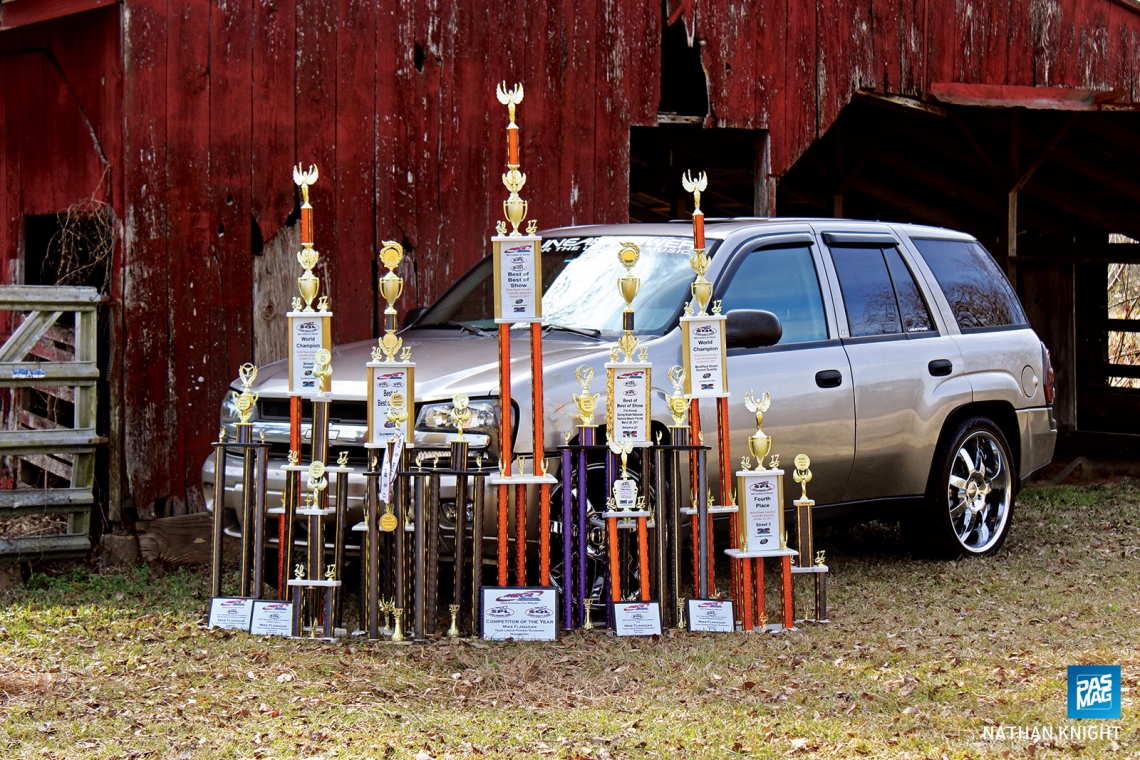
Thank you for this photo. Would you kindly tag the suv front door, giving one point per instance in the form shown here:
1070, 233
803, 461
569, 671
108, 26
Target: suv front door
907, 373
806, 372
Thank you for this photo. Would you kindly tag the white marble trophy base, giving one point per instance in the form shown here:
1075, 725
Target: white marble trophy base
714, 509
759, 553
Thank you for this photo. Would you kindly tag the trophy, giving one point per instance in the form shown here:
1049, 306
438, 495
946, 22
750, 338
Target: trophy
762, 534
813, 560
575, 518
628, 382
623, 508
517, 266
704, 357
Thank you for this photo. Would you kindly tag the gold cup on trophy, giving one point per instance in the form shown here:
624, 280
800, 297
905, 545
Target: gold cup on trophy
391, 288
802, 475
307, 283
460, 414
246, 400
759, 443
628, 287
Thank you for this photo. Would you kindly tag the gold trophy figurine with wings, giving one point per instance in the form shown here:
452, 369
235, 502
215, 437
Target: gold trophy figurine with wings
759, 443
585, 402
623, 450
677, 403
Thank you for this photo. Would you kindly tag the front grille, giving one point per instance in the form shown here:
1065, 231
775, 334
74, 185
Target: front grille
339, 411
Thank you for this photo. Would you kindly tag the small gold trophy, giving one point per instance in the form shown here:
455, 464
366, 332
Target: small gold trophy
678, 404
460, 414
585, 402
322, 371
453, 631
802, 475
588, 621
245, 401
397, 632
759, 443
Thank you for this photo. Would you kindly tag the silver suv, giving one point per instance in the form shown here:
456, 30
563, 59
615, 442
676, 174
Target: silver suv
902, 363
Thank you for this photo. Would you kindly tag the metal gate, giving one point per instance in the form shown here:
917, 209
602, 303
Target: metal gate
55, 363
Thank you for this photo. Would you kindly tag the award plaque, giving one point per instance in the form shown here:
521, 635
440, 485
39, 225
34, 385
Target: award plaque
518, 278
710, 615
522, 613
385, 380
230, 612
627, 401
309, 332
271, 618
703, 351
761, 494
637, 618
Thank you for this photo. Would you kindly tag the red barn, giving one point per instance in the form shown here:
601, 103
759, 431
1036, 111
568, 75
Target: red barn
1013, 119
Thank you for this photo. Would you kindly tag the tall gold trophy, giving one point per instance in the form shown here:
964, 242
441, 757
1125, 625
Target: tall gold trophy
811, 561
628, 380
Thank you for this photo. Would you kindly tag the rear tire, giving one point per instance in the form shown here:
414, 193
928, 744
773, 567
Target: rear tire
970, 493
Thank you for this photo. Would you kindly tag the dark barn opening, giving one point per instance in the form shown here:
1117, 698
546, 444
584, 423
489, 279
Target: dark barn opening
658, 156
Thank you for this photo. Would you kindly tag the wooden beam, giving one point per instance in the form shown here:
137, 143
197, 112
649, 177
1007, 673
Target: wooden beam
987, 164
1021, 96
1053, 250
1115, 181
899, 103
1072, 203
16, 13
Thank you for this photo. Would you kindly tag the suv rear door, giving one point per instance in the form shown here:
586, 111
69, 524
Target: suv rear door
806, 373
907, 373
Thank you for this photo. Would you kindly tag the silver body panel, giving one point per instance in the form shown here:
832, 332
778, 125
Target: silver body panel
871, 438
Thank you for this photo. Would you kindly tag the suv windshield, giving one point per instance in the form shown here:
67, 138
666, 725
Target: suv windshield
575, 273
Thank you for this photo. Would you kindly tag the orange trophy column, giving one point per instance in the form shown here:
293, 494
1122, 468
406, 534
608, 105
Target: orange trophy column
518, 299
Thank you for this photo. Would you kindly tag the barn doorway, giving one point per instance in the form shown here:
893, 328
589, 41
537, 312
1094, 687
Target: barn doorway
658, 156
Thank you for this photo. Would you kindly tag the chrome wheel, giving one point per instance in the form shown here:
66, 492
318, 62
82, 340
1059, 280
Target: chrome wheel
979, 491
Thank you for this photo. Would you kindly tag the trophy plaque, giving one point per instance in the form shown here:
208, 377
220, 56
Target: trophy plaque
522, 613
230, 612
637, 618
271, 618
711, 615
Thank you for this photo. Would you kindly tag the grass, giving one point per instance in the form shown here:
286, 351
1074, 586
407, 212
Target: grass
920, 659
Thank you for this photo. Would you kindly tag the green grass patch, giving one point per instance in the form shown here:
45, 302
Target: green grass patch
921, 657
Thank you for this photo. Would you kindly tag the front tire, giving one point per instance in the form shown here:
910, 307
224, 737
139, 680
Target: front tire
970, 494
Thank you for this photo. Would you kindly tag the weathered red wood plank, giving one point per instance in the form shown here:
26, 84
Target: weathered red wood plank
149, 420
315, 119
543, 130
395, 207
273, 147
579, 110
355, 171
847, 56
799, 129
425, 77
732, 30
1010, 96
8, 248
611, 118
195, 324
17, 13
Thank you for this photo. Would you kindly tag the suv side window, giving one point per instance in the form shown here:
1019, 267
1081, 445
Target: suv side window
880, 294
781, 280
975, 287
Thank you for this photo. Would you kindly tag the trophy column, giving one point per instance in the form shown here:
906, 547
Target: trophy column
704, 355
811, 563
518, 298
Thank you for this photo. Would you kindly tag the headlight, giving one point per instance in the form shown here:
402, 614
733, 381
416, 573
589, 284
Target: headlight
436, 418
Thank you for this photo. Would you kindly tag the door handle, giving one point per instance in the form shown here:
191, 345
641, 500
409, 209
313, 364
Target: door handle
940, 367
829, 378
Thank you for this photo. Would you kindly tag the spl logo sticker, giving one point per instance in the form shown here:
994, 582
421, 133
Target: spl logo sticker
1094, 691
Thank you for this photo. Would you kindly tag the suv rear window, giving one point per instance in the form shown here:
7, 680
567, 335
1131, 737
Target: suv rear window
978, 292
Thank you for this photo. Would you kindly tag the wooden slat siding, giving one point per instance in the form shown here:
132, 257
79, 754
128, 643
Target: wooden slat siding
847, 57
611, 168
543, 81
146, 426
428, 33
799, 128
195, 282
231, 119
272, 194
315, 120
45, 500
460, 25
579, 18
355, 171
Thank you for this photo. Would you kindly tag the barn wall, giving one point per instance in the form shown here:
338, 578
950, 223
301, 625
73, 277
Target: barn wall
394, 102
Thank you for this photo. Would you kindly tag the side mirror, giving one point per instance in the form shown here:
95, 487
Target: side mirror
411, 316
752, 328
